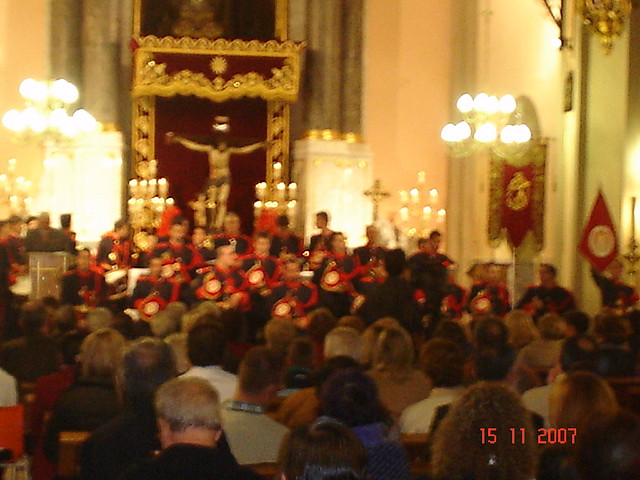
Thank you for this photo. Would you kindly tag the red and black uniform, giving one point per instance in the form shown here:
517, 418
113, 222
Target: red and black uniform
429, 274
615, 294
486, 299
370, 259
114, 252
453, 302
242, 243
217, 284
292, 299
334, 279
260, 273
152, 294
16, 255
554, 299
83, 288
206, 252
291, 244
184, 258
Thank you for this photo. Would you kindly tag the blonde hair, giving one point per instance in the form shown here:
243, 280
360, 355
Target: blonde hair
178, 344
579, 396
393, 352
522, 330
372, 333
279, 333
101, 353
344, 341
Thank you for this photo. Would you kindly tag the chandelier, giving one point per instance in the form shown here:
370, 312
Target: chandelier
605, 17
487, 123
14, 192
46, 118
421, 210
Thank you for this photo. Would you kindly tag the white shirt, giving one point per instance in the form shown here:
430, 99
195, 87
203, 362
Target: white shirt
224, 382
417, 418
8, 389
537, 400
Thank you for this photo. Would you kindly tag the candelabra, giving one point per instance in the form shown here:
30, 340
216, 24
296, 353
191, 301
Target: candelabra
14, 192
46, 118
148, 199
419, 213
276, 197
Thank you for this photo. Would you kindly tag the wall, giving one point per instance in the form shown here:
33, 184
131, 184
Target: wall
23, 53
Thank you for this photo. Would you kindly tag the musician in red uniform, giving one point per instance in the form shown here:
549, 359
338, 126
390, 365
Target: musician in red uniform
292, 297
616, 295
335, 277
83, 287
154, 292
231, 235
547, 296
176, 251
203, 244
15, 245
489, 296
115, 248
223, 283
370, 258
285, 242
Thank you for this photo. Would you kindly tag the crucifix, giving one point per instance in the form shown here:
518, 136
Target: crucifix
376, 194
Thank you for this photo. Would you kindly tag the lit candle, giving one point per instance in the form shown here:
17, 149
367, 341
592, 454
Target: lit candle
280, 192
441, 214
163, 187
261, 190
133, 187
415, 195
143, 188
257, 208
433, 195
153, 183
291, 208
277, 171
404, 197
12, 164
404, 214
422, 177
426, 213
170, 201
153, 168
293, 191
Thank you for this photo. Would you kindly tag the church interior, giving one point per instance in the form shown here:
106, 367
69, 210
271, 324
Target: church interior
504, 135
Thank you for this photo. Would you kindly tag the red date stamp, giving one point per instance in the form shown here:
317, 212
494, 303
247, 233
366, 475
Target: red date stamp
544, 436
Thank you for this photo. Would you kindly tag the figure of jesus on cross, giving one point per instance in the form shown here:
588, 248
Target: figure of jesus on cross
218, 184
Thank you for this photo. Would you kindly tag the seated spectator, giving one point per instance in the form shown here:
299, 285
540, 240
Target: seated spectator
450, 330
98, 318
610, 449
300, 363
344, 341
178, 344
132, 435
577, 323
94, 398
252, 435
33, 355
351, 397
163, 324
458, 451
206, 347
189, 424
522, 330
279, 333
371, 334
399, 384
321, 322
544, 353
352, 321
615, 359
443, 362
324, 450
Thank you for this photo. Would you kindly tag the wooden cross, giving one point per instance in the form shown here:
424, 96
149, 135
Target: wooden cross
376, 194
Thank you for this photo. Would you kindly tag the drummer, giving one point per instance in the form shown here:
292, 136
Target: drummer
83, 287
115, 248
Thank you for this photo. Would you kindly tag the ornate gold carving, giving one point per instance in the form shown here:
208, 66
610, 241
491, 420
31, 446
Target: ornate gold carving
517, 196
143, 131
218, 65
278, 133
221, 46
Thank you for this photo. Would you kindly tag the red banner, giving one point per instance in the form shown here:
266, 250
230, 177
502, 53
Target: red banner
599, 243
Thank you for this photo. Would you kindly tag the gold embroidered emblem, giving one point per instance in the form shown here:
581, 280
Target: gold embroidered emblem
517, 197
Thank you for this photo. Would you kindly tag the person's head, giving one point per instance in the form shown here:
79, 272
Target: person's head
279, 333
322, 220
352, 321
148, 363
372, 333
32, 318
373, 235
226, 256
395, 262
522, 330
155, 266
611, 329
490, 333
321, 322
206, 343
177, 230
577, 323
32, 222
188, 411
435, 238
176, 310
393, 352
64, 319
282, 224
493, 364
231, 223
579, 396
351, 396
579, 352
199, 235
552, 327
458, 451
121, 228
615, 269
262, 244
98, 318
162, 325
443, 362
83, 259
260, 375
493, 274
301, 353
44, 220
323, 450
344, 341
178, 344
547, 274
65, 221
450, 330
15, 224
290, 268
337, 243
609, 448
101, 353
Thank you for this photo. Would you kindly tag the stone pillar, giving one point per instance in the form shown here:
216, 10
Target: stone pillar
324, 64
65, 27
100, 54
352, 28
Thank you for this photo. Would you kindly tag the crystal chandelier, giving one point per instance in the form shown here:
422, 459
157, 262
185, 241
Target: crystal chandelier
606, 18
46, 118
487, 123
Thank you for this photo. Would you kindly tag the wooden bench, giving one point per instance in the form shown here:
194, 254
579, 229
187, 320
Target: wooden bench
70, 445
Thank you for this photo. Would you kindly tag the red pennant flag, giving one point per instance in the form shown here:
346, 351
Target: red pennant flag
599, 243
